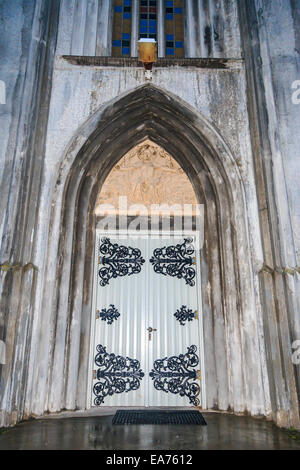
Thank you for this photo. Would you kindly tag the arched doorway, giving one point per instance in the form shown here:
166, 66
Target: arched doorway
234, 355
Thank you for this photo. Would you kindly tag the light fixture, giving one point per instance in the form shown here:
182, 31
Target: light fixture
147, 49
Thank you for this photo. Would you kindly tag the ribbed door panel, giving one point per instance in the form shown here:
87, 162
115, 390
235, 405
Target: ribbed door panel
167, 295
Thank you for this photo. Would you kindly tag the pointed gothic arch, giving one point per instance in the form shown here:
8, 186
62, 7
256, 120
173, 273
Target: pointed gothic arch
233, 353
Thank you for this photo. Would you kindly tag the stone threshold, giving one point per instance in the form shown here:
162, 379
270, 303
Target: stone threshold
110, 410
105, 411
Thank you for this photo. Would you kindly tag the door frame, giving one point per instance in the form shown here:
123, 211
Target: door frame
158, 234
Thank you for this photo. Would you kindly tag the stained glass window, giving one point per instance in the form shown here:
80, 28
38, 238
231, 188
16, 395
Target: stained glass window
174, 28
121, 28
173, 11
148, 19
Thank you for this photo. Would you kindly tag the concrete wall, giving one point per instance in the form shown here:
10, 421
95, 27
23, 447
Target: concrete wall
53, 105
280, 47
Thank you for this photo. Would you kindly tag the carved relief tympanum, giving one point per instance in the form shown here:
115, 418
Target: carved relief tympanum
147, 175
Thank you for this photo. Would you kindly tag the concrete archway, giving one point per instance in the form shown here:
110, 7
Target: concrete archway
234, 357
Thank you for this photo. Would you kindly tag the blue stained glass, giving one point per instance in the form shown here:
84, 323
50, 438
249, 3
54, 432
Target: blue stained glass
125, 50
179, 44
148, 22
118, 9
127, 3
126, 15
126, 36
178, 11
116, 43
169, 3
170, 37
169, 51
169, 16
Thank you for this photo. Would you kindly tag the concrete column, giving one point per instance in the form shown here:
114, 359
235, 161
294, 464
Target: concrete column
161, 28
201, 26
2, 92
104, 31
134, 28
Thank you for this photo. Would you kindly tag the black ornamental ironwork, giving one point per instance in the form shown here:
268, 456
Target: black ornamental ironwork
177, 375
176, 261
116, 374
108, 314
118, 260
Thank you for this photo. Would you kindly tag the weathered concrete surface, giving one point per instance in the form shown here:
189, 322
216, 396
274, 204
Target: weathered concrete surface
223, 432
234, 133
28, 37
211, 28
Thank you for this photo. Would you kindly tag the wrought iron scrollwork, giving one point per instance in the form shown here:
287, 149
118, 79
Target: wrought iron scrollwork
184, 314
109, 314
176, 261
176, 375
118, 260
116, 374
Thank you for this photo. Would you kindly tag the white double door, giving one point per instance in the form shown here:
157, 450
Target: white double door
142, 354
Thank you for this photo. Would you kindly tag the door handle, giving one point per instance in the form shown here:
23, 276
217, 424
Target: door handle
150, 329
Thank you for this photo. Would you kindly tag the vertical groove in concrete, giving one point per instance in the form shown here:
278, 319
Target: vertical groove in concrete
15, 375
104, 31
134, 28
190, 29
65, 30
161, 28
90, 37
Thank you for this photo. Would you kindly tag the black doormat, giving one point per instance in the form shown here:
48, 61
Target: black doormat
158, 417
